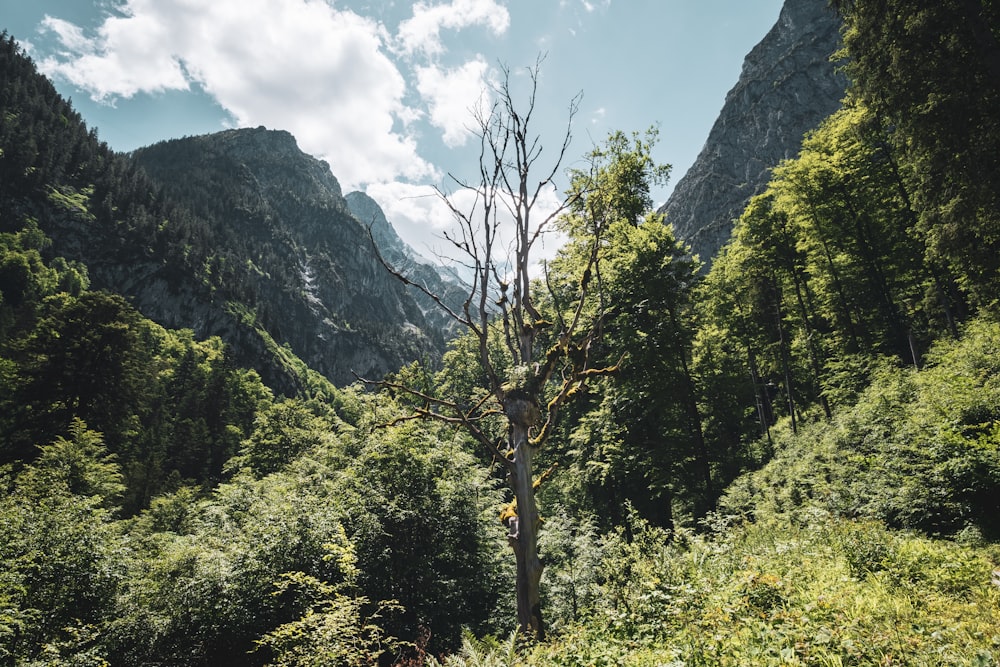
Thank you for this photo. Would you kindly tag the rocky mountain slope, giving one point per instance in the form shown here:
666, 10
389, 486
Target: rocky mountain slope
434, 278
787, 86
236, 234
315, 281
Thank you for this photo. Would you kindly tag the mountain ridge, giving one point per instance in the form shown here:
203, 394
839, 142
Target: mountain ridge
788, 84
332, 302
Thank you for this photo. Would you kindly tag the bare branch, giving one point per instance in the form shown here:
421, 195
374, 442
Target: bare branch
569, 388
460, 418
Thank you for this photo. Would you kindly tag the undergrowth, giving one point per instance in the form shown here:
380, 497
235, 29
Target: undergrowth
869, 539
833, 592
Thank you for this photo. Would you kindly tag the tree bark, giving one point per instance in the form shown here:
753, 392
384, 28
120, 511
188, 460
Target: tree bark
523, 528
693, 414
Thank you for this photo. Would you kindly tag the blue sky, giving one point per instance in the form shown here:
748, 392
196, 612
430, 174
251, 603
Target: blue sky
382, 90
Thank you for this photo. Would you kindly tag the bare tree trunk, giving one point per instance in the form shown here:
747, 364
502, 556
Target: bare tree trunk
693, 414
811, 342
499, 307
523, 528
765, 411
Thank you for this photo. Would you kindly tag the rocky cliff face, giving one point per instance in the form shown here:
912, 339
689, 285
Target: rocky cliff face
403, 259
787, 87
307, 275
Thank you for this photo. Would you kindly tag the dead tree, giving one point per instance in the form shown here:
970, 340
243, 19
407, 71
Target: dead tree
496, 237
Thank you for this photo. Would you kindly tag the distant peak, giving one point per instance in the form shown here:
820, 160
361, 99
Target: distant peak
371, 216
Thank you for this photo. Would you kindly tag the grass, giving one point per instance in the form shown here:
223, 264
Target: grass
72, 200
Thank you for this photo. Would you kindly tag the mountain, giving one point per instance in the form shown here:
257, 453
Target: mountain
237, 234
787, 86
315, 281
434, 280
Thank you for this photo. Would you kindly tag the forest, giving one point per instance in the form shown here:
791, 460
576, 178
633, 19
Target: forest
789, 455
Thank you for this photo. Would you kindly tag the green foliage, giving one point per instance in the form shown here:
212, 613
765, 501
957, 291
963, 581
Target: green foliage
828, 271
422, 515
26, 278
637, 437
199, 595
61, 559
818, 577
169, 407
488, 652
72, 200
918, 450
281, 433
184, 579
573, 552
930, 71
772, 593
78, 466
333, 630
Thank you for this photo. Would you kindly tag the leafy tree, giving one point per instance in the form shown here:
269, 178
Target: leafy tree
827, 270
281, 433
202, 570
640, 437
334, 630
917, 450
649, 280
79, 465
61, 559
573, 553
171, 408
81, 359
930, 71
418, 507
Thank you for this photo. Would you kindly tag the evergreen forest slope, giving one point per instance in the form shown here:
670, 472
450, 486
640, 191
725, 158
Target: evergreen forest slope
796, 462
237, 234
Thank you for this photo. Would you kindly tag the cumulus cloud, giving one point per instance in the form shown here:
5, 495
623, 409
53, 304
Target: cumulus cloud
422, 32
454, 96
451, 94
115, 63
309, 68
349, 91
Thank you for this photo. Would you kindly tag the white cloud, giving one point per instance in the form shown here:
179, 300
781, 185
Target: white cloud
117, 62
297, 65
314, 69
70, 35
454, 95
422, 32
421, 219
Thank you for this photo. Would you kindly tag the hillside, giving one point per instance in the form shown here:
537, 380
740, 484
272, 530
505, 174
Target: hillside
250, 240
312, 278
